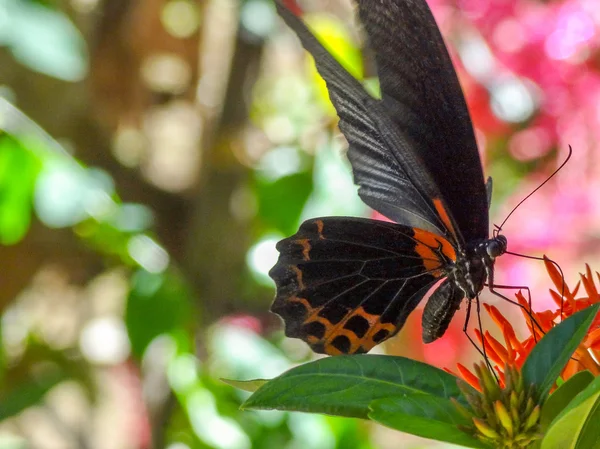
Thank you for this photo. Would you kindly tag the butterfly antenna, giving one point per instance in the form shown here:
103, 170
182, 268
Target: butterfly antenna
499, 228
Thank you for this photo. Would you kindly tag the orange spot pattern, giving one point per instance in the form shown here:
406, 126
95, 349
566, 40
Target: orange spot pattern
305, 244
299, 280
319, 224
427, 247
334, 330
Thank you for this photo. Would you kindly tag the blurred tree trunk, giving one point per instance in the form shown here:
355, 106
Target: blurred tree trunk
196, 226
218, 242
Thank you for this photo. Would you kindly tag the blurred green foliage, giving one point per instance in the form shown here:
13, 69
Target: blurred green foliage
18, 171
160, 309
281, 201
43, 39
40, 181
157, 304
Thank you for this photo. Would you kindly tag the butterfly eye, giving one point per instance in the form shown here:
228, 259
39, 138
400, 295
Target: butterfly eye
497, 246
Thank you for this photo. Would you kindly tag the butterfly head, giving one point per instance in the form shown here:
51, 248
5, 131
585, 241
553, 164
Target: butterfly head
496, 247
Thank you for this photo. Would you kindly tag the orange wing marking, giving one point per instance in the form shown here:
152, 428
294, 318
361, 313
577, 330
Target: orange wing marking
429, 258
298, 272
320, 228
427, 245
356, 343
332, 331
312, 313
441, 210
305, 244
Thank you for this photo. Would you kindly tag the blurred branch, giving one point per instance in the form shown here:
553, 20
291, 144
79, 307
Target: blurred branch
160, 421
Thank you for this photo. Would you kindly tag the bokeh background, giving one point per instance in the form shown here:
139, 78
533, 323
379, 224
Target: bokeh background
153, 151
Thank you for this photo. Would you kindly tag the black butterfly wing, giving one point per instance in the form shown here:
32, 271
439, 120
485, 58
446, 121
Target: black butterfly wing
346, 284
391, 177
422, 93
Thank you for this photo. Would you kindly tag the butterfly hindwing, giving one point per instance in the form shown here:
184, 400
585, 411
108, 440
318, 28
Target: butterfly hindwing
346, 284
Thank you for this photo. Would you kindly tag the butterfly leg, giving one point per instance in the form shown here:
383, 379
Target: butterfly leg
555, 265
481, 351
492, 288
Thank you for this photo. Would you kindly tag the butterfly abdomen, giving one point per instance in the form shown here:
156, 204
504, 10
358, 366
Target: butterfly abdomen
440, 308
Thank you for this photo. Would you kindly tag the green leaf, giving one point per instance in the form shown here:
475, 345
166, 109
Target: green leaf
558, 401
346, 385
426, 416
589, 391
18, 173
158, 303
551, 353
281, 201
246, 385
577, 426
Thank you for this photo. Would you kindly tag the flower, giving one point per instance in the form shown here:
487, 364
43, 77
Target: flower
507, 417
513, 352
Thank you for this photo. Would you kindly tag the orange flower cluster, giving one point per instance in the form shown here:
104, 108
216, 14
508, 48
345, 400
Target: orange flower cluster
514, 352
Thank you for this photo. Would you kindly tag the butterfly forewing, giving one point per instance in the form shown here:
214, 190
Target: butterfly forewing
422, 93
383, 164
346, 284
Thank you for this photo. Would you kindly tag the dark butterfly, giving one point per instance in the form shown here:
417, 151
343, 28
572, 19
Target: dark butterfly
346, 284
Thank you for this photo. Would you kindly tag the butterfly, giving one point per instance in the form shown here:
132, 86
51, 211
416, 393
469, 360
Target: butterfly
346, 284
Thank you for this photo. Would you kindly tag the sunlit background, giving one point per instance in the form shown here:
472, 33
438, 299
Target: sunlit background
153, 152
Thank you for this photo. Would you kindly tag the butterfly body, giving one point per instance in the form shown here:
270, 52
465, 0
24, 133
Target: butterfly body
475, 265
346, 284
466, 279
